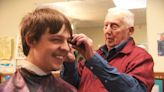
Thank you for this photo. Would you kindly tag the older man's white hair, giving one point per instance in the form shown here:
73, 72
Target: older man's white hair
128, 16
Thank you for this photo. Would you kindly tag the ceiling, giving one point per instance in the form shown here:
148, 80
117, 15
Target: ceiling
90, 13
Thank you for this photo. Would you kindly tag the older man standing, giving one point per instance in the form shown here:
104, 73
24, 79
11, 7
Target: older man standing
118, 66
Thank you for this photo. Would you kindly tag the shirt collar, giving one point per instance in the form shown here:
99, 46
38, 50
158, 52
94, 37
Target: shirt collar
122, 44
117, 48
31, 67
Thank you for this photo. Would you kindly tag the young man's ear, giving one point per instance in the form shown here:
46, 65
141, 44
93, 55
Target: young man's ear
131, 30
30, 42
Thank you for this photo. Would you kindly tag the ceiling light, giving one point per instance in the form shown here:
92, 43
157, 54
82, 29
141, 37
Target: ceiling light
130, 4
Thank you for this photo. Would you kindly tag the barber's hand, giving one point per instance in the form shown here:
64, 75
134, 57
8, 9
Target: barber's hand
84, 45
70, 56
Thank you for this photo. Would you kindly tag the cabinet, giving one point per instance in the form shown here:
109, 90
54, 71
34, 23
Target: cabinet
159, 82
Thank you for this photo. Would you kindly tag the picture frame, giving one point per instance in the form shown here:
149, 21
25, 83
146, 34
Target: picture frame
160, 43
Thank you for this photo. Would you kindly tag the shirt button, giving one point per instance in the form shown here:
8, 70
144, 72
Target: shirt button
106, 81
91, 67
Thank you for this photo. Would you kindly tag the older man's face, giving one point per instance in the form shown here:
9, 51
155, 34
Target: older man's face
115, 30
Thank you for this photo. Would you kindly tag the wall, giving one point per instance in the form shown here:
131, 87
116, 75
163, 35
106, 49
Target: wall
95, 33
155, 25
140, 34
12, 11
